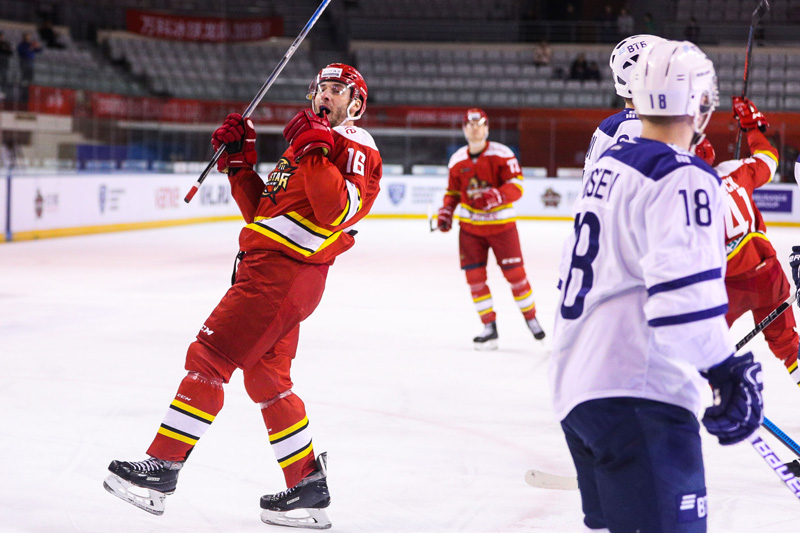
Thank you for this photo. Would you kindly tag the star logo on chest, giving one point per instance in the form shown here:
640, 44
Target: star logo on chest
278, 179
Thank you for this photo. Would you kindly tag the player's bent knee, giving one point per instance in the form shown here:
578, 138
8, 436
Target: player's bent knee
476, 276
206, 362
515, 275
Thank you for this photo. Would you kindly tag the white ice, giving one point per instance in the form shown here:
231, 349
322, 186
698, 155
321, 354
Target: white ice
423, 433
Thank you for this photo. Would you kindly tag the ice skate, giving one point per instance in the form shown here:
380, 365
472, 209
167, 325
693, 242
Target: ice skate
536, 329
144, 484
487, 340
302, 505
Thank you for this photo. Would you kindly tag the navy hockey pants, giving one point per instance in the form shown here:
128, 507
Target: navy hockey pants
640, 466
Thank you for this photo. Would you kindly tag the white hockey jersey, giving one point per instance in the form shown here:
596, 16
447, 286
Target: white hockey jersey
643, 299
622, 126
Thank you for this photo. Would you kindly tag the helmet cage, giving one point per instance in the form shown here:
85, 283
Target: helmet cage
624, 58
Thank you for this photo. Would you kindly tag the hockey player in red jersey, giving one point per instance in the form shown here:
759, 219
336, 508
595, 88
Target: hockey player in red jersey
486, 179
754, 279
297, 221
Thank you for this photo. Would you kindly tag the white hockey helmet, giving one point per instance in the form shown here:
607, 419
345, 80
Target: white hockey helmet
624, 57
675, 78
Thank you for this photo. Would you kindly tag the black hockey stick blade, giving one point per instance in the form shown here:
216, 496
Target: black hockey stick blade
760, 11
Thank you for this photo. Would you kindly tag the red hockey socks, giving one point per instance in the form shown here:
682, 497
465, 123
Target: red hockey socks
190, 414
287, 424
523, 295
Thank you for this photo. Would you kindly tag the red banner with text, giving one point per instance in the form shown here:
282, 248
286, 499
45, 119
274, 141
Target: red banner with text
208, 29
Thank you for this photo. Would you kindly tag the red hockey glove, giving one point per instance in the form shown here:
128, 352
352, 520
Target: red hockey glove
239, 138
488, 199
307, 131
748, 115
444, 219
705, 151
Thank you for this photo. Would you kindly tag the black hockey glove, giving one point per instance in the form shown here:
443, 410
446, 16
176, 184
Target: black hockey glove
738, 407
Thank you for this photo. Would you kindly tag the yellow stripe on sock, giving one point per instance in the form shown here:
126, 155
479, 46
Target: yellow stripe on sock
177, 436
290, 429
189, 409
298, 456
526, 309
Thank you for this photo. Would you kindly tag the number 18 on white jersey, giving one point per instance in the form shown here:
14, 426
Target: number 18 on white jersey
643, 298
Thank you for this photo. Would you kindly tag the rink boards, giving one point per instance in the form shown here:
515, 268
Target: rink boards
42, 206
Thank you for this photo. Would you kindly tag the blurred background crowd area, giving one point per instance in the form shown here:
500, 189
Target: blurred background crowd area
107, 84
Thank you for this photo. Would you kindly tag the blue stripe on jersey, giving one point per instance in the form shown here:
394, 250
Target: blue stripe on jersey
611, 124
655, 159
688, 317
714, 273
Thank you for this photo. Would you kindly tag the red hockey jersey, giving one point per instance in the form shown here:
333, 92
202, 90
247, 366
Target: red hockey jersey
495, 167
745, 231
304, 208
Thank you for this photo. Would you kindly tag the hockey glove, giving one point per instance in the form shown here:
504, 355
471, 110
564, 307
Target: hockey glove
794, 262
738, 407
307, 131
705, 151
488, 199
747, 114
444, 219
239, 138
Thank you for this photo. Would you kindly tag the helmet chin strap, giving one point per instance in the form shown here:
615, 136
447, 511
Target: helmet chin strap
315, 109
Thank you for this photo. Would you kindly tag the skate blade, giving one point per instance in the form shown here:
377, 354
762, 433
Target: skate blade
486, 346
305, 518
148, 500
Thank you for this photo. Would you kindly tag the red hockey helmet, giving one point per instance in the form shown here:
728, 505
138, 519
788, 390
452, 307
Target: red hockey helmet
477, 115
347, 75
705, 151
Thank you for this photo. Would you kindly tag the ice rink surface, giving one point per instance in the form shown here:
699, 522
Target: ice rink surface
423, 433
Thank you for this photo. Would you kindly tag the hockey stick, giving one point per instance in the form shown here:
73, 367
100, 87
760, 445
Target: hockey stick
261, 92
781, 436
431, 225
767, 321
545, 480
763, 449
761, 9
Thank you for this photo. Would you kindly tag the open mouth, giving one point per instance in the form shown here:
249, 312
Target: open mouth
324, 109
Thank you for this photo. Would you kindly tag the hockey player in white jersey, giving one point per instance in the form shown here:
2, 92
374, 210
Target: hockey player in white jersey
641, 317
625, 124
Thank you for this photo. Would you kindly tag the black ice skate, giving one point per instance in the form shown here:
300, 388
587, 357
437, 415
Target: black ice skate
487, 340
144, 484
302, 505
536, 329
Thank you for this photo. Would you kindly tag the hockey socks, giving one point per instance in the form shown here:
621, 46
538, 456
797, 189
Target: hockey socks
523, 295
190, 414
289, 436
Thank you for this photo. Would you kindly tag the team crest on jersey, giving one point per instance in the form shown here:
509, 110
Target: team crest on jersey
476, 186
278, 179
